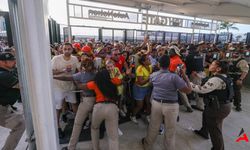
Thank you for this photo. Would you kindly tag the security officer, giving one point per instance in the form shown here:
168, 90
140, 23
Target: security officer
165, 104
195, 71
8, 96
218, 94
238, 71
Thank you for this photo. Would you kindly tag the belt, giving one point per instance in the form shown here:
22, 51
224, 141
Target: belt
165, 100
82, 99
88, 95
106, 102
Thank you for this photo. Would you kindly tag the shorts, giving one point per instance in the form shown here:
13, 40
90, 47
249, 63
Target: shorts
60, 95
140, 93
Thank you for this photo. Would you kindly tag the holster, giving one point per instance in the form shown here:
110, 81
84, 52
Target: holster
213, 102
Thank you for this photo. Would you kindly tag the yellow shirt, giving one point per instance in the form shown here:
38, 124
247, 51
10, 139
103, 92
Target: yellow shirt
141, 71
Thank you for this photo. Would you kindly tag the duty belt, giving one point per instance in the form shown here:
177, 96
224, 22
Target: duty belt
106, 102
165, 100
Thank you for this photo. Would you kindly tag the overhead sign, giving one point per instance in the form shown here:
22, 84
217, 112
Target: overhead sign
107, 14
162, 20
96, 13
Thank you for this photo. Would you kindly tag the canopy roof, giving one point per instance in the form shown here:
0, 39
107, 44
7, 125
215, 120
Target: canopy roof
237, 11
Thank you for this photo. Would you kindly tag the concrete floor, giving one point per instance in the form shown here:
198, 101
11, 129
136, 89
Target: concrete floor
185, 138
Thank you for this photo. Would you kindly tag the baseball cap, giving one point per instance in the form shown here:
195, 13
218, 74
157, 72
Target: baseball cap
176, 49
77, 45
7, 56
86, 49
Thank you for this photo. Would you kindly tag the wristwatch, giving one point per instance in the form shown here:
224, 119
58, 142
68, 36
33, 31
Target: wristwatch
240, 79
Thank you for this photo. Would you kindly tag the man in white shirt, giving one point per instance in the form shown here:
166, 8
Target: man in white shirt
63, 65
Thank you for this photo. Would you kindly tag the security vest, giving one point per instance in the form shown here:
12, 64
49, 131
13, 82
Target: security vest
234, 71
224, 95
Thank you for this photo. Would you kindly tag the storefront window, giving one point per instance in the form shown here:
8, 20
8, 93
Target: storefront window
119, 35
84, 33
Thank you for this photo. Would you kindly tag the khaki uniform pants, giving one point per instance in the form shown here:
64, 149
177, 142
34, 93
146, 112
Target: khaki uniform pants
12, 121
198, 99
184, 99
109, 114
169, 113
84, 108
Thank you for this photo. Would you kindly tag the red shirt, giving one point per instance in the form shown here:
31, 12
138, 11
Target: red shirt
120, 63
174, 62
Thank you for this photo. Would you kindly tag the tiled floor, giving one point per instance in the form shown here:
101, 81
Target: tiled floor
185, 139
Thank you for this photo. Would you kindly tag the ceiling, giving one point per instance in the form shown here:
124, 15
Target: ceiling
237, 11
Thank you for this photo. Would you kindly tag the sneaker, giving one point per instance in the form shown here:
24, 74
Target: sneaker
122, 113
161, 131
60, 133
197, 108
202, 134
120, 132
189, 109
133, 119
14, 107
148, 118
65, 148
87, 124
125, 108
238, 109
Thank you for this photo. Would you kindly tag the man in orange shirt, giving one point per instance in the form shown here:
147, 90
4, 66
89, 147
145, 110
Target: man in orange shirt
175, 63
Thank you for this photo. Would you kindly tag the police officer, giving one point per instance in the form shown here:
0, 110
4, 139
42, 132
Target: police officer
238, 71
195, 71
8, 96
218, 93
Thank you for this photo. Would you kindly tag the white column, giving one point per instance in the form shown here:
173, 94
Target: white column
68, 22
192, 39
32, 40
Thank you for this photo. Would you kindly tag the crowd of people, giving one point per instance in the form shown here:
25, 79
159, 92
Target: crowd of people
107, 81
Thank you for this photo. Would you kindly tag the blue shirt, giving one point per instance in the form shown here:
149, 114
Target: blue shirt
166, 84
84, 77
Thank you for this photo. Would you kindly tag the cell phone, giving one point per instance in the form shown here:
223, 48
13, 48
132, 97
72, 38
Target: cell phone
227, 55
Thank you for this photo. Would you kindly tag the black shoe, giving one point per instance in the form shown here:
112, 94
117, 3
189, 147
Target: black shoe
202, 134
238, 109
64, 148
64, 118
197, 108
143, 141
60, 133
189, 109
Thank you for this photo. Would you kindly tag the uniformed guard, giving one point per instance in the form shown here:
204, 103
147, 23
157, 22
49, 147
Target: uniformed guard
165, 104
218, 94
8, 96
195, 71
238, 71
